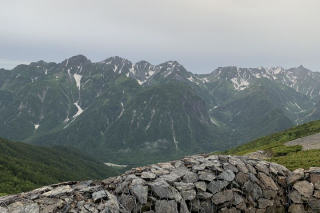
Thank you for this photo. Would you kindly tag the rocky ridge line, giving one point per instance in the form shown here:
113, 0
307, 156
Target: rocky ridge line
200, 183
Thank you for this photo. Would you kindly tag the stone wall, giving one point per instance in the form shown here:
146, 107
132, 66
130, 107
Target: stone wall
200, 183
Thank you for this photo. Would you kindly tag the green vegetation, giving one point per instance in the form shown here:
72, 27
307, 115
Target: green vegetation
290, 156
302, 159
24, 167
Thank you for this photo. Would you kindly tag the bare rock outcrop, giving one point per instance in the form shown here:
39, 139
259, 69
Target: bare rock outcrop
200, 183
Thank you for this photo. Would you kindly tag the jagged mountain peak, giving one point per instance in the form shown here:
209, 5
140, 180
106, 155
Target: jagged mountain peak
301, 67
38, 63
243, 78
300, 70
171, 67
76, 60
170, 64
143, 62
116, 60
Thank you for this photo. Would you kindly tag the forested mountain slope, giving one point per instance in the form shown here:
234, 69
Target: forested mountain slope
24, 167
136, 113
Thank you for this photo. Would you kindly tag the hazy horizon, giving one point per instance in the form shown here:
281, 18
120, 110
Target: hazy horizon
11, 66
202, 35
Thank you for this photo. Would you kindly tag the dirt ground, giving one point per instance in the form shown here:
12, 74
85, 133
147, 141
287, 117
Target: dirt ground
309, 142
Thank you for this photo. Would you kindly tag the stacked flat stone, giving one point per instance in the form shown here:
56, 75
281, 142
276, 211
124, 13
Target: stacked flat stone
304, 190
200, 183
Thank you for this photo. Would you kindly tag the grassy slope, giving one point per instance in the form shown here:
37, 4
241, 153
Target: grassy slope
24, 167
291, 157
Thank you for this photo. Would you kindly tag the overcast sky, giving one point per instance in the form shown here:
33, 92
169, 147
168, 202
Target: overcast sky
200, 34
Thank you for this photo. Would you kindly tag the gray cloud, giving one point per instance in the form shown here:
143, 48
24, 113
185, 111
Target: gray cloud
201, 34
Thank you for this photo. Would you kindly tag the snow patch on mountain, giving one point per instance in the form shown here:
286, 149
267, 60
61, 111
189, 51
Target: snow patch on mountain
115, 68
169, 72
132, 70
67, 119
213, 121
77, 78
140, 82
174, 135
240, 84
36, 126
153, 112
297, 106
80, 110
257, 75
190, 78
122, 110
150, 73
204, 80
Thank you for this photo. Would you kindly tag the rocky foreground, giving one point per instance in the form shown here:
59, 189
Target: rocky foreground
200, 183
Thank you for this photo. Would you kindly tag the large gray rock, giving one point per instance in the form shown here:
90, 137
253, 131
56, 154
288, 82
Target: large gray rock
262, 167
228, 166
189, 194
253, 189
296, 208
314, 204
141, 192
122, 187
19, 207
190, 177
128, 202
199, 167
207, 176
3, 210
171, 178
268, 181
168, 166
315, 178
242, 178
222, 197
202, 186
184, 207
304, 188
58, 191
264, 203
16, 207
269, 194
295, 196
296, 175
229, 210
181, 186
237, 199
204, 195
164, 191
163, 206
277, 169
148, 175
97, 196
227, 175
217, 186
112, 205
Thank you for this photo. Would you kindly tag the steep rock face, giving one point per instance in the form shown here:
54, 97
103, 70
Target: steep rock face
201, 183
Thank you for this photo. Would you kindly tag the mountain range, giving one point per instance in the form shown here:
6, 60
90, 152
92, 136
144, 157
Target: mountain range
124, 112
